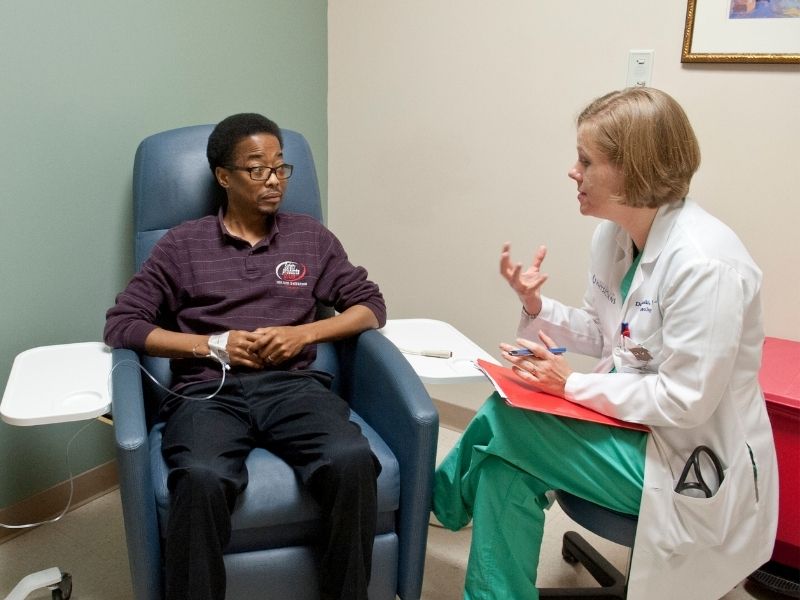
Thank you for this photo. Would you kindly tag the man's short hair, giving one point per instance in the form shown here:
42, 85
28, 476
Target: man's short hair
646, 133
231, 130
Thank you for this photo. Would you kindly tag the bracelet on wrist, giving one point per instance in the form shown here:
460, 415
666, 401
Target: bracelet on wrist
529, 315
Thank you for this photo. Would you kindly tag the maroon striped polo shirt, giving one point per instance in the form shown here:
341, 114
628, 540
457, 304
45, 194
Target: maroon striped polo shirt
201, 279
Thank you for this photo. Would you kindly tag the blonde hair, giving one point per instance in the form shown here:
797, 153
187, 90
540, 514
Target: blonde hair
645, 133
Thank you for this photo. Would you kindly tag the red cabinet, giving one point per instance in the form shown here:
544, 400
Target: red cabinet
780, 381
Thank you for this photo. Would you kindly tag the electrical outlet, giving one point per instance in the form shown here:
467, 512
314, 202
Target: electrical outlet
640, 68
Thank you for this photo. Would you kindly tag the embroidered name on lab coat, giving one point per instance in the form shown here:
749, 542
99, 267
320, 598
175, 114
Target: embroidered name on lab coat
604, 289
646, 305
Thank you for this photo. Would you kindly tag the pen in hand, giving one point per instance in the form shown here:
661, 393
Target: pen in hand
526, 352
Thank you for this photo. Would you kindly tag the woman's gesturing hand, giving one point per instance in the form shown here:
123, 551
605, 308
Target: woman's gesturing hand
527, 284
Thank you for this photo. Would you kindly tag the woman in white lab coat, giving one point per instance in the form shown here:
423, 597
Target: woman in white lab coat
672, 311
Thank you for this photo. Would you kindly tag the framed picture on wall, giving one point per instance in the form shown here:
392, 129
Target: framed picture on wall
742, 31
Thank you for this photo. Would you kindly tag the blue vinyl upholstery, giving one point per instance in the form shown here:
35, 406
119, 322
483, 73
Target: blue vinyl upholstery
609, 524
270, 556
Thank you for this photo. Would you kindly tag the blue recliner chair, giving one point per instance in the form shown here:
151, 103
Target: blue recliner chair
271, 554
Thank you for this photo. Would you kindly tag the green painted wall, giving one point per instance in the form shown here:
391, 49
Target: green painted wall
81, 84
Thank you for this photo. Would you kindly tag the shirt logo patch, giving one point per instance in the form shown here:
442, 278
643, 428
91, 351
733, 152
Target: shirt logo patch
291, 273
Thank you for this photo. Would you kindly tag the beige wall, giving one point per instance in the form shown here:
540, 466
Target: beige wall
451, 130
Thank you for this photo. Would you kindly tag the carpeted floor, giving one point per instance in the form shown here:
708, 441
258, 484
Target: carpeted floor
89, 543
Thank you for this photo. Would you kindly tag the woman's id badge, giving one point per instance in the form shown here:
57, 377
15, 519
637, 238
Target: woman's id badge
641, 353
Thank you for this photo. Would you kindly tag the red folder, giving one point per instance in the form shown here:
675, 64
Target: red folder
522, 395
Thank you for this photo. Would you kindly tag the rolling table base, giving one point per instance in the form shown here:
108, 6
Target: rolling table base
60, 584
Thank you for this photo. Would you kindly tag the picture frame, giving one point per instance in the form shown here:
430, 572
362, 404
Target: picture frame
741, 31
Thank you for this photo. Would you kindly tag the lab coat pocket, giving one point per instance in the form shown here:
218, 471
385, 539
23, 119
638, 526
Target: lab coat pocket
700, 522
639, 357
628, 361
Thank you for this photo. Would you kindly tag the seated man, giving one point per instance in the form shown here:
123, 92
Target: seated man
241, 288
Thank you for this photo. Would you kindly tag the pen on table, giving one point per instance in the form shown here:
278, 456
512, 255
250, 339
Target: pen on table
526, 352
428, 353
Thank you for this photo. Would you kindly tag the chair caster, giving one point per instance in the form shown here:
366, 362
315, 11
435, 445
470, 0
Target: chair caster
63, 590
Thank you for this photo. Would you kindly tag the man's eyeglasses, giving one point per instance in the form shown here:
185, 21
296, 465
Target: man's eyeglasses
261, 173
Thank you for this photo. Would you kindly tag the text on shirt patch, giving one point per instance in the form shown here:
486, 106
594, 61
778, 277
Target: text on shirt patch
646, 305
291, 273
604, 289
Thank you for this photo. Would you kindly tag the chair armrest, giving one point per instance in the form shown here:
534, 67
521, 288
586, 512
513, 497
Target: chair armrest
127, 401
135, 483
384, 390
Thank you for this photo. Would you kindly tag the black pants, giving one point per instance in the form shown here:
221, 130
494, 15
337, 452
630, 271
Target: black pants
295, 416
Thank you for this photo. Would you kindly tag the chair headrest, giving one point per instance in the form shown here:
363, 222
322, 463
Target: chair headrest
172, 182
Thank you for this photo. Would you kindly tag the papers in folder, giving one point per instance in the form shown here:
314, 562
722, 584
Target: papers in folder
521, 395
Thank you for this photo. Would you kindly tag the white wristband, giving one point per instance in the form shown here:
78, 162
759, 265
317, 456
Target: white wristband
218, 347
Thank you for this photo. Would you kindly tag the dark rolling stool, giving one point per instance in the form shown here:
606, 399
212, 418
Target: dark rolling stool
611, 525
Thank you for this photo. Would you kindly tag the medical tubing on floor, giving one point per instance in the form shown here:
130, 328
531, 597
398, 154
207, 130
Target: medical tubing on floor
71, 490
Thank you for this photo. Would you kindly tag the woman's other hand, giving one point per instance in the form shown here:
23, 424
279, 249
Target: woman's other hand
527, 284
545, 370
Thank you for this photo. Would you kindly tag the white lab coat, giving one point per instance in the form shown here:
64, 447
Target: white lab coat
694, 306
